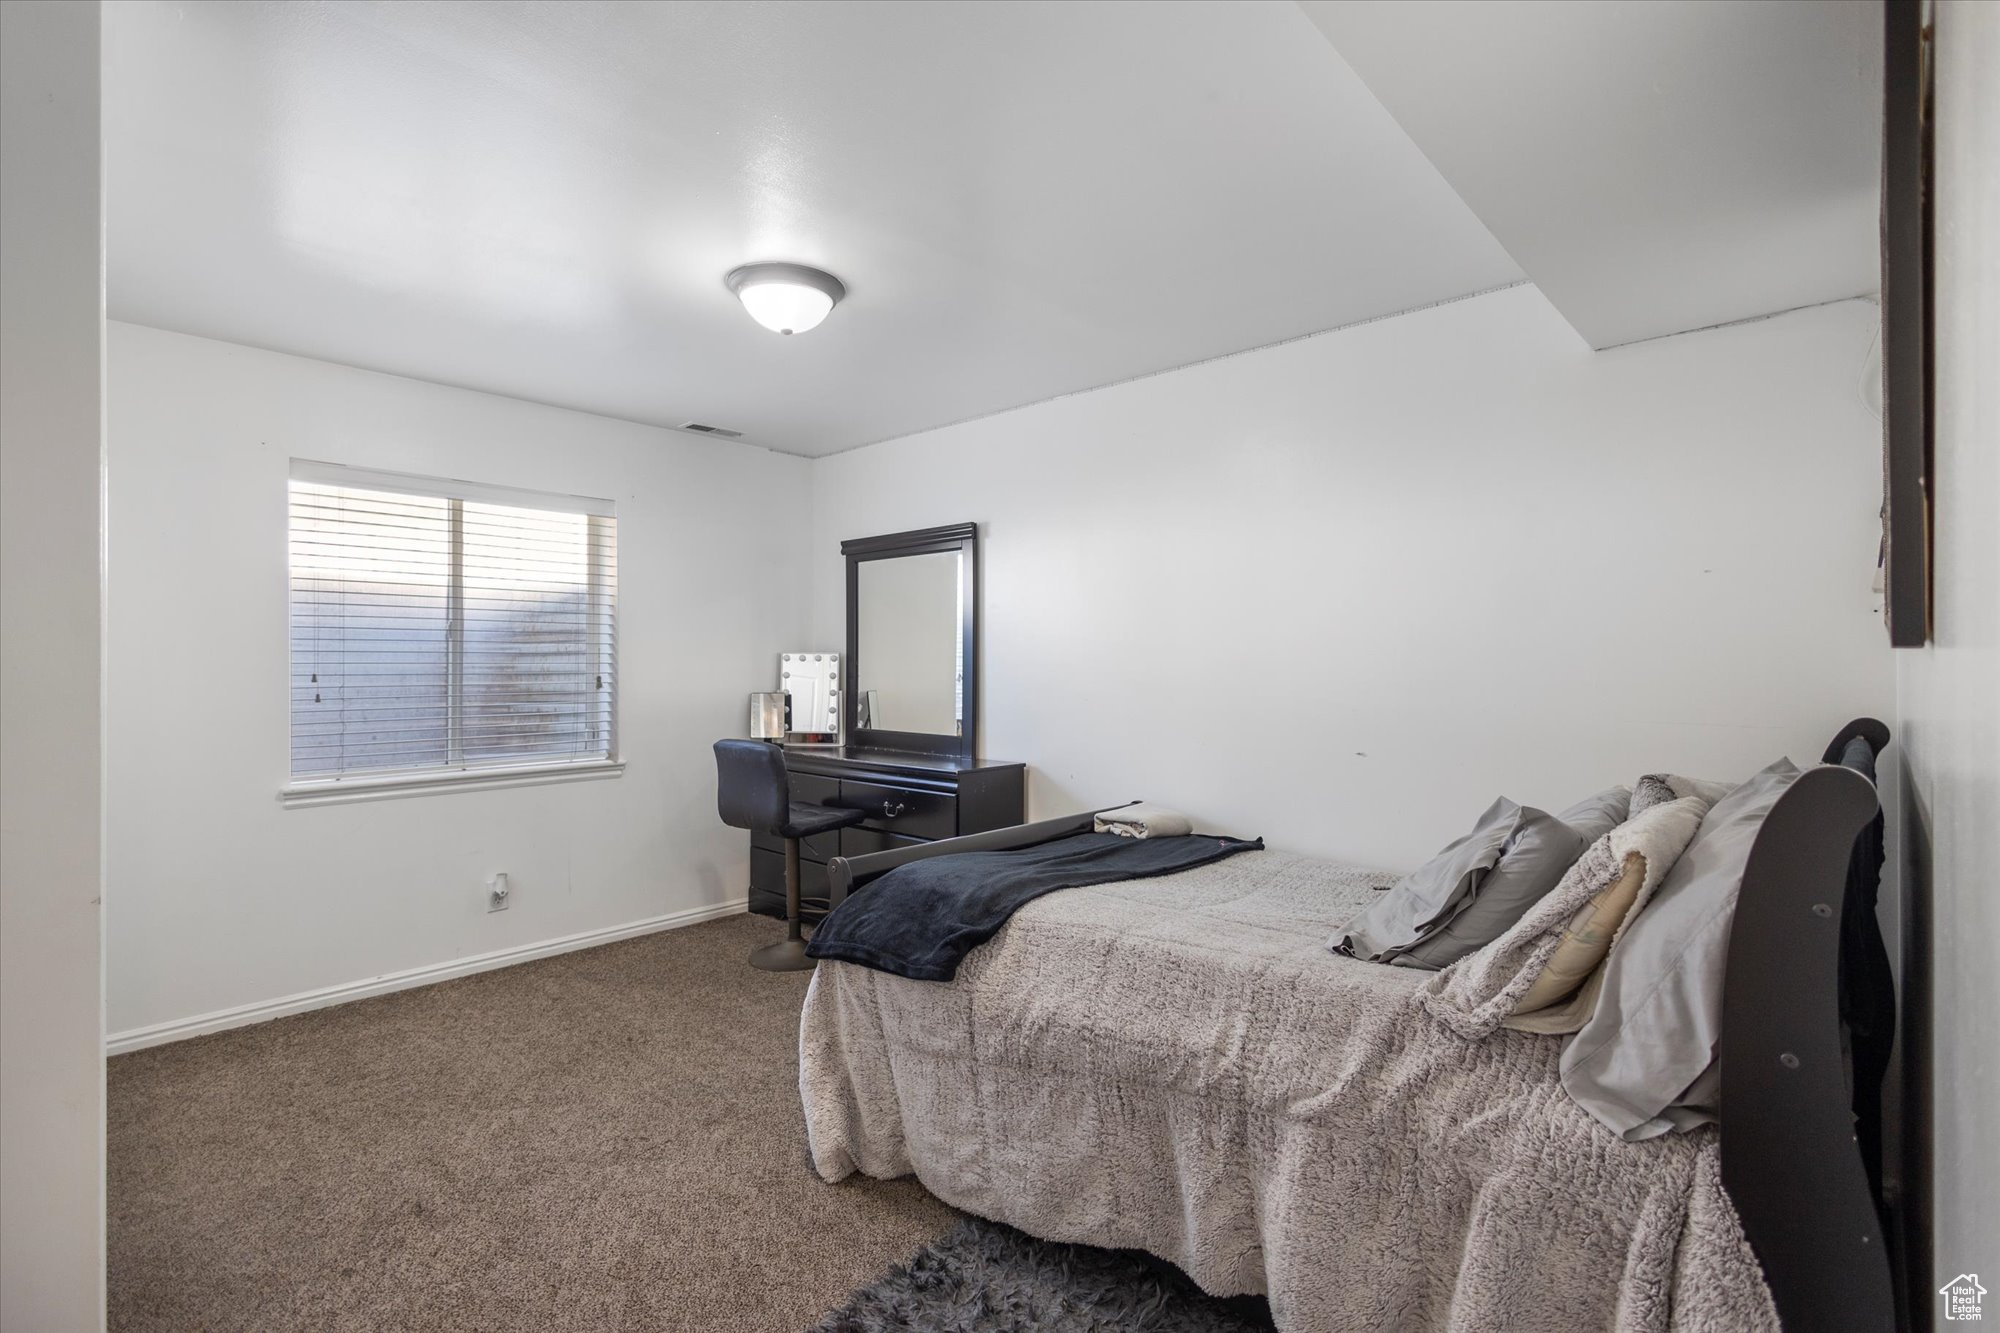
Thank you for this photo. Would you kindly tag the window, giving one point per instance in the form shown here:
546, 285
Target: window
447, 631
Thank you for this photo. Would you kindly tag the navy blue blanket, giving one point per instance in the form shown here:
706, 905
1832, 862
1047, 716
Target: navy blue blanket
921, 919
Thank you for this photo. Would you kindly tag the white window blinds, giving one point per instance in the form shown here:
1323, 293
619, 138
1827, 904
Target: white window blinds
439, 626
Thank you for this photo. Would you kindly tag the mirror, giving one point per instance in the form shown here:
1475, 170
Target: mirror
811, 685
908, 624
911, 637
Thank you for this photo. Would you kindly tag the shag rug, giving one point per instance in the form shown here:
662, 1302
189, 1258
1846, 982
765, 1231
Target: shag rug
983, 1277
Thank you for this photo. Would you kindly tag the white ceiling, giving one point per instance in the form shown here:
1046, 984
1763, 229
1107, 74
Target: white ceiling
1654, 165
542, 200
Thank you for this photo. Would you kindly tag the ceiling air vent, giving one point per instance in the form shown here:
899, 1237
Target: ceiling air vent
701, 428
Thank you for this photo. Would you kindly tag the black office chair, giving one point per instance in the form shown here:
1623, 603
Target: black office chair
754, 792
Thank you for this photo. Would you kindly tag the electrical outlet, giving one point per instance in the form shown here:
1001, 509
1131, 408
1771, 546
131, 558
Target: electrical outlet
497, 891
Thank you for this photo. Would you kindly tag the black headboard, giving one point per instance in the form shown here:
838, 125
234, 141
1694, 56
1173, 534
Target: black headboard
1808, 1011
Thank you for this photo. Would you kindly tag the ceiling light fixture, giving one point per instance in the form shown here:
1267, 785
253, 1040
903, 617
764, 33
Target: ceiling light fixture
786, 298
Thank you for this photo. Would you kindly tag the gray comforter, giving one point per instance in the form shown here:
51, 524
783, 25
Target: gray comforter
1181, 1065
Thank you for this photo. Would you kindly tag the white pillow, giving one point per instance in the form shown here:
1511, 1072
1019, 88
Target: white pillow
1659, 788
1483, 992
1642, 1064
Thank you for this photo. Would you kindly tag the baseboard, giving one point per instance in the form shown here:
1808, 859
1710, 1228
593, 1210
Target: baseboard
180, 1029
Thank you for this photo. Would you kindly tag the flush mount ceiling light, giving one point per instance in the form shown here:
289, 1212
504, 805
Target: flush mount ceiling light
786, 298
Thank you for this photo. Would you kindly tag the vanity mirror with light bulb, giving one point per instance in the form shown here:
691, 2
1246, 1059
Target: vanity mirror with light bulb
811, 683
906, 691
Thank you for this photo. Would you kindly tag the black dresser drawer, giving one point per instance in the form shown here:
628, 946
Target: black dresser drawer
767, 876
808, 789
904, 810
820, 847
942, 798
859, 841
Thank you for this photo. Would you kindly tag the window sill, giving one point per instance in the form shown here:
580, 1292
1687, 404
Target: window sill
382, 787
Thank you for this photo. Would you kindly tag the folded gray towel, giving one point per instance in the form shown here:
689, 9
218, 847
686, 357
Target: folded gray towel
1144, 821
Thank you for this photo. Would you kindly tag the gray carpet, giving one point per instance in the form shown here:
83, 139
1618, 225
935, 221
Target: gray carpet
604, 1140
988, 1278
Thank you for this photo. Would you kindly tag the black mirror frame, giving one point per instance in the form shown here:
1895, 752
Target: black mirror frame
964, 539
1908, 511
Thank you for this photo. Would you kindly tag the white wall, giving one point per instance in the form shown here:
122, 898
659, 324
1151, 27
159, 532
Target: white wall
223, 898
1342, 591
51, 679
1949, 693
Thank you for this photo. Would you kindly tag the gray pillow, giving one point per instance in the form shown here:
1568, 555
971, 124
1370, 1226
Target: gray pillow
1595, 816
1533, 862
1430, 895
1643, 1063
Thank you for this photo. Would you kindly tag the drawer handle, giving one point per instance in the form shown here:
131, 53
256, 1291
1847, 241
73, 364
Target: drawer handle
891, 809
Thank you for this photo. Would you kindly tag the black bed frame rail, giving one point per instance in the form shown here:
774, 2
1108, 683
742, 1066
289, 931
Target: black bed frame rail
1792, 1159
844, 874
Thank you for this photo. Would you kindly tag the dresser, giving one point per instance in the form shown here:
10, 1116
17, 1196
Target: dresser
908, 797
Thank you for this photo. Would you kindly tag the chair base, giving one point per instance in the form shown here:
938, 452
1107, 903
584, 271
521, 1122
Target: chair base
784, 956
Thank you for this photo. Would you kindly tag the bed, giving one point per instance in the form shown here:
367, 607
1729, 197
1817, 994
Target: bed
1180, 1065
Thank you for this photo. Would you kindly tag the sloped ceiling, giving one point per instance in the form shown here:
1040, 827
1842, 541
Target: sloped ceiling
1654, 165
